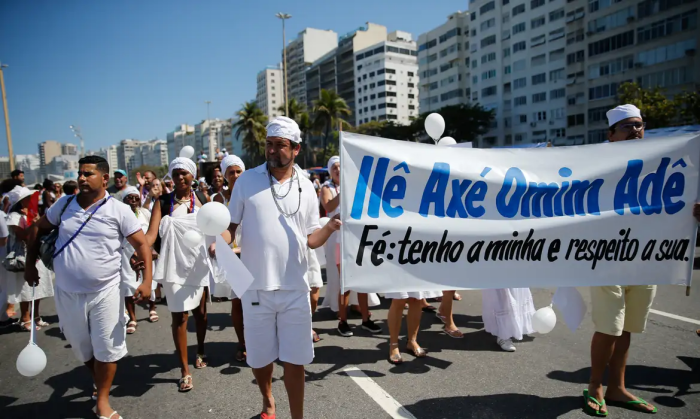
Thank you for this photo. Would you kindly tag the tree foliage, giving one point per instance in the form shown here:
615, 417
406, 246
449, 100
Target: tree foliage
658, 111
296, 108
330, 111
688, 104
250, 127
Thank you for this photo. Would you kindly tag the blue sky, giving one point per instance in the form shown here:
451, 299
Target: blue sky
136, 69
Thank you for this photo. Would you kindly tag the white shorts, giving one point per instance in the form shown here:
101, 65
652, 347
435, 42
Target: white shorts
182, 298
277, 327
94, 324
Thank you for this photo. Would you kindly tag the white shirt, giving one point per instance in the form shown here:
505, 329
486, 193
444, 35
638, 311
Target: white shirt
92, 261
274, 245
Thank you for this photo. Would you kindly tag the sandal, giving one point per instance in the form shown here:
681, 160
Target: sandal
440, 317
187, 381
457, 297
395, 359
241, 353
633, 405
26, 326
315, 337
94, 392
200, 362
131, 327
588, 409
418, 353
153, 316
456, 333
110, 416
39, 322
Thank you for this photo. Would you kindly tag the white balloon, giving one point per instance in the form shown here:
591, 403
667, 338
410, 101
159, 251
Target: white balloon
435, 125
213, 218
323, 221
543, 320
187, 152
31, 361
446, 141
192, 238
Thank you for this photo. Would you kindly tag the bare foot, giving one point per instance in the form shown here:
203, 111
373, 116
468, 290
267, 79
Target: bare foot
622, 395
596, 391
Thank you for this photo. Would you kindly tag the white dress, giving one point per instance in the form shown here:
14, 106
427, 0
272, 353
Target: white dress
184, 272
507, 313
220, 288
332, 274
17, 289
129, 282
417, 295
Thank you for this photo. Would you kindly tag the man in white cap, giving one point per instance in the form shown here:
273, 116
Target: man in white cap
279, 209
617, 311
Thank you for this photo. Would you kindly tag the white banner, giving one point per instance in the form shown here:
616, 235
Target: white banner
419, 217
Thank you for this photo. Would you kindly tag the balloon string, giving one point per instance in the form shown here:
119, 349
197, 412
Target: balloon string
31, 334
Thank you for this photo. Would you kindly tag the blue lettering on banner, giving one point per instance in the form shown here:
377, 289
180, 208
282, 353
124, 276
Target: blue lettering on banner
633, 195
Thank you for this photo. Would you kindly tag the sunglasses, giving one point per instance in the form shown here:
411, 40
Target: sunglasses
636, 126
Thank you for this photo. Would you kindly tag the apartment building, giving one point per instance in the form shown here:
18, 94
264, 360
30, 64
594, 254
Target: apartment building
310, 45
151, 153
109, 154
126, 155
177, 139
69, 149
47, 151
387, 80
270, 94
443, 64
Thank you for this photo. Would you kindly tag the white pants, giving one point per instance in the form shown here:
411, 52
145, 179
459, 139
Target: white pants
277, 326
94, 323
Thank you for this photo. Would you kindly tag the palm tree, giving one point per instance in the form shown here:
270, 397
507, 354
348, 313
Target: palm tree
251, 126
305, 126
296, 108
329, 111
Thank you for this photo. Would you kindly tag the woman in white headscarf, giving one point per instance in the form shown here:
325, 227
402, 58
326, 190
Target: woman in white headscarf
184, 272
18, 291
231, 167
130, 279
330, 199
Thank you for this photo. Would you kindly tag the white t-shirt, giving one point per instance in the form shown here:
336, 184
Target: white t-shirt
274, 246
92, 262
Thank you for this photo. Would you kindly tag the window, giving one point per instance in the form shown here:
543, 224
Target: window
473, 16
537, 22
534, 4
372, 85
556, 34
520, 27
556, 15
520, 101
666, 52
574, 37
519, 46
390, 117
448, 80
371, 74
410, 74
391, 83
557, 132
573, 120
573, 78
475, 79
382, 94
604, 91
595, 5
556, 55
611, 21
489, 40
559, 113
411, 107
538, 40
393, 94
555, 75
390, 105
519, 138
652, 7
575, 57
506, 2
520, 65
390, 71
598, 114
575, 15
539, 97
506, 17
597, 136
506, 69
505, 35
487, 7
449, 34
429, 73
489, 91
666, 27
488, 74
506, 87
488, 57
373, 108
518, 9
610, 67
506, 52
557, 93
411, 96
381, 106
539, 116
427, 45
453, 94
372, 96
539, 78
539, 60
575, 99
611, 44
474, 48
520, 83
488, 24
666, 78
475, 64
522, 119
359, 79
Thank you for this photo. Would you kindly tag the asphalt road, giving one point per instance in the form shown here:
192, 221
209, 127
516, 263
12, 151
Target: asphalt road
467, 378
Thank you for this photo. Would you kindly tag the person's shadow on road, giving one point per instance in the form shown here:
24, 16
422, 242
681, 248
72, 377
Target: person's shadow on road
496, 406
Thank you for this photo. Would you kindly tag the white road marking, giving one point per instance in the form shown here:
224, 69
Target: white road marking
383, 399
675, 316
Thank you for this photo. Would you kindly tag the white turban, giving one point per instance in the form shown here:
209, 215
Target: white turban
333, 160
231, 160
131, 190
284, 127
622, 112
182, 163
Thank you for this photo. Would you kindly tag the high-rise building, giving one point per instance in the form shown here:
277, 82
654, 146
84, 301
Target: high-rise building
336, 69
310, 45
31, 166
47, 151
110, 154
270, 95
152, 153
63, 167
69, 149
209, 136
126, 155
443, 64
5, 167
176, 139
387, 80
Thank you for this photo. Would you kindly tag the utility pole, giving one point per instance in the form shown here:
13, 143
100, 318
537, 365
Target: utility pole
284, 16
79, 135
7, 118
208, 102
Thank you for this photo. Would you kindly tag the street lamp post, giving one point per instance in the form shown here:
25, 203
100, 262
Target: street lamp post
7, 119
284, 16
79, 135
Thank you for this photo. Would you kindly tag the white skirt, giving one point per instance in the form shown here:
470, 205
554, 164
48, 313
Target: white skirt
182, 298
18, 291
507, 313
417, 295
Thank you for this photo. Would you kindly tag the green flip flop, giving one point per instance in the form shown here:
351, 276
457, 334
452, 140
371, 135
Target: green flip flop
632, 405
588, 409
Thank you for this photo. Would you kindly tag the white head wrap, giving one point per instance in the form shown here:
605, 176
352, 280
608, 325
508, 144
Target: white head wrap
17, 194
131, 190
182, 163
284, 127
333, 160
231, 160
621, 112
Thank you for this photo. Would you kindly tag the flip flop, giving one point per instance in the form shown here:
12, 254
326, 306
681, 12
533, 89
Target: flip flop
316, 338
110, 416
456, 333
187, 381
440, 317
632, 405
418, 353
200, 362
153, 316
588, 409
